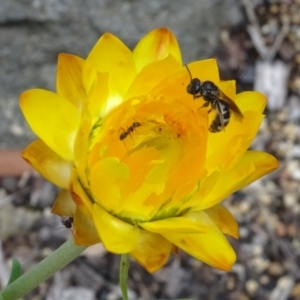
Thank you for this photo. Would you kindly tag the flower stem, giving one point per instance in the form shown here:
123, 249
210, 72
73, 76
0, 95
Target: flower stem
124, 266
42, 271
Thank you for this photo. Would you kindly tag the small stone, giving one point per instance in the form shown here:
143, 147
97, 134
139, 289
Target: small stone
280, 229
290, 200
230, 284
292, 230
260, 264
96, 250
244, 207
275, 269
264, 280
252, 286
74, 293
282, 289
293, 168
296, 290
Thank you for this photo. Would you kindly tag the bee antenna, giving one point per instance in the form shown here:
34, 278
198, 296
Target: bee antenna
189, 71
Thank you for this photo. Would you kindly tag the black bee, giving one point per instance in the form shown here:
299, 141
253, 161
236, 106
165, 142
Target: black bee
67, 222
213, 96
129, 130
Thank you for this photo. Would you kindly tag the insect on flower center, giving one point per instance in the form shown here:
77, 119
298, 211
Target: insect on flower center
156, 132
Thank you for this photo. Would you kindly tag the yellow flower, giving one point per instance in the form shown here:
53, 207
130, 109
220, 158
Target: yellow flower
131, 150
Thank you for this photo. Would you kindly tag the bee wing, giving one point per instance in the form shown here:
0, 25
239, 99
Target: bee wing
220, 112
233, 107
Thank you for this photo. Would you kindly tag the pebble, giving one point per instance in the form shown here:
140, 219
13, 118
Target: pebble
296, 290
251, 286
290, 200
282, 289
77, 293
260, 264
275, 269
264, 280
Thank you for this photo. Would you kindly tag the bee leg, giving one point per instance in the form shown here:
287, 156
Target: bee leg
196, 96
205, 104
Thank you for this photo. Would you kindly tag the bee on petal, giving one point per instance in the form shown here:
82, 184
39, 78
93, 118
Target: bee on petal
218, 101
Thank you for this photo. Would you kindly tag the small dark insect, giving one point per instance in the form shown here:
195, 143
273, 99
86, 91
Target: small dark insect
67, 222
219, 102
129, 130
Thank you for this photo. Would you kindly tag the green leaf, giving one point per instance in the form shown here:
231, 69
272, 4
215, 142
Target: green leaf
16, 271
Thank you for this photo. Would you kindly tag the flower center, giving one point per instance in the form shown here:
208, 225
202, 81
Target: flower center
151, 153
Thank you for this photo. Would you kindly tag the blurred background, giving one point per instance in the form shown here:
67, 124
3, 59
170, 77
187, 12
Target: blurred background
257, 43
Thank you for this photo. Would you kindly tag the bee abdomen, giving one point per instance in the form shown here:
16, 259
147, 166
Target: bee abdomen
216, 125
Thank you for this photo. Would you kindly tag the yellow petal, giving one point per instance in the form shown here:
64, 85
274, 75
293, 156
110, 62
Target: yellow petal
176, 84
252, 166
210, 247
204, 70
97, 103
84, 230
69, 79
89, 75
228, 87
53, 119
237, 136
64, 204
254, 101
155, 46
236, 139
50, 165
149, 77
152, 251
111, 55
81, 149
223, 220
116, 235
79, 195
106, 178
175, 225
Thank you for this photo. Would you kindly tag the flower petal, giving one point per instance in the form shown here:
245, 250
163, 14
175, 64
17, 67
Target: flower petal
210, 247
64, 204
254, 101
84, 230
69, 79
176, 84
106, 178
50, 165
79, 195
97, 104
175, 225
81, 149
252, 166
152, 251
40, 108
223, 220
149, 77
204, 70
116, 235
237, 136
156, 45
111, 55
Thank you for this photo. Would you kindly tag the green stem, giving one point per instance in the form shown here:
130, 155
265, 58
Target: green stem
124, 267
42, 271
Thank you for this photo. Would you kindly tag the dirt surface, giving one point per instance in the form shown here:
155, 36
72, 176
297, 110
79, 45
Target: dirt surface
260, 52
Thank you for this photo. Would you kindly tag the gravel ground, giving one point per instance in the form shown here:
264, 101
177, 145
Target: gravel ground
261, 52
